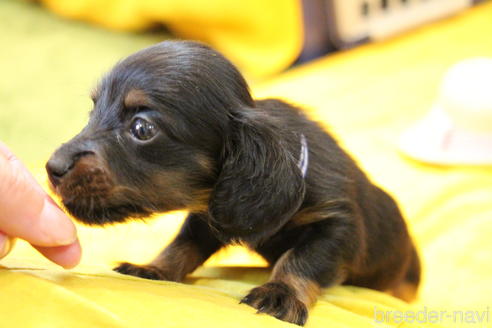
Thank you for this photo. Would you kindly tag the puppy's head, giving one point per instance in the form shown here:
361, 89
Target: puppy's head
154, 133
166, 125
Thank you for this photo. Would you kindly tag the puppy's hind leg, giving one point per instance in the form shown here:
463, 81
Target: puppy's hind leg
315, 261
192, 246
408, 287
288, 295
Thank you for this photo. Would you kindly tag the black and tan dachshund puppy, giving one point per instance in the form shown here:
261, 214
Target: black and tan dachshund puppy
175, 127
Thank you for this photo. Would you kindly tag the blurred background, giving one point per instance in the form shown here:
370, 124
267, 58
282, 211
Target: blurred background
55, 50
366, 69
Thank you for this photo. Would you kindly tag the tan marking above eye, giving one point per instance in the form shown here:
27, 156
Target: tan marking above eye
136, 98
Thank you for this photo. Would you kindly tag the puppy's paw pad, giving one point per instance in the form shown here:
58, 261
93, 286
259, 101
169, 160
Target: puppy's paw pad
142, 271
278, 300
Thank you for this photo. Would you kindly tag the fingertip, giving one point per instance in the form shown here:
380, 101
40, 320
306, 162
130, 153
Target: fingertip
72, 256
27, 212
5, 245
56, 225
67, 256
5, 151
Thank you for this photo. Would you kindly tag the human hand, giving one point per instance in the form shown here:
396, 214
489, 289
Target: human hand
27, 212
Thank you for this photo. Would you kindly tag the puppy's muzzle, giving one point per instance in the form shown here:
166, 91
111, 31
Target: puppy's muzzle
62, 163
80, 176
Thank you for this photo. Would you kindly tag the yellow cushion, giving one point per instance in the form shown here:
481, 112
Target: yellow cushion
367, 97
262, 37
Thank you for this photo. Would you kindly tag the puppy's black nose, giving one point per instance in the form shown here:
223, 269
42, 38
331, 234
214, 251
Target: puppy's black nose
60, 164
56, 169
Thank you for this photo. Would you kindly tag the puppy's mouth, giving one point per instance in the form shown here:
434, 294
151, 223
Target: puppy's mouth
90, 195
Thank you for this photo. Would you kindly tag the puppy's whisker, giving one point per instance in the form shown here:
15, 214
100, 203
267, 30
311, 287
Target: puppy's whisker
91, 204
119, 138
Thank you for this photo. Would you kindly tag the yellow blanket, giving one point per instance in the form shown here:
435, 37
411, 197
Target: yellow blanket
262, 37
367, 97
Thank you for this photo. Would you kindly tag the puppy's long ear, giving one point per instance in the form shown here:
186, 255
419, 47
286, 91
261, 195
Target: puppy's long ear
260, 185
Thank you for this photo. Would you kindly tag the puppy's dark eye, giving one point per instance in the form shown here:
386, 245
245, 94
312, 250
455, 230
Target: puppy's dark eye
142, 130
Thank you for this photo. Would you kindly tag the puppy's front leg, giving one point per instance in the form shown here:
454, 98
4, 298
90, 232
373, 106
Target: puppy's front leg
315, 261
192, 246
288, 294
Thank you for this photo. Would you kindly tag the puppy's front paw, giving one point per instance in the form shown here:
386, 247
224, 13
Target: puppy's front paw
279, 300
142, 271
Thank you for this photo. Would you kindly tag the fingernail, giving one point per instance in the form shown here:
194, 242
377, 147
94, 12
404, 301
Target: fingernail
57, 225
4, 245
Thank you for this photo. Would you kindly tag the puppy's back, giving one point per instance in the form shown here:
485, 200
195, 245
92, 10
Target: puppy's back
388, 259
